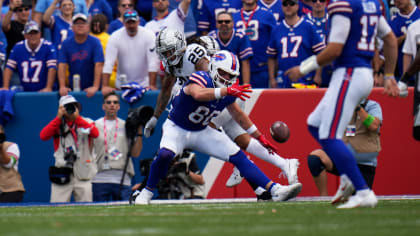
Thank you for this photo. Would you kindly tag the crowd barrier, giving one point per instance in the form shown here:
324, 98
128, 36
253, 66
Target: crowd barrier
397, 164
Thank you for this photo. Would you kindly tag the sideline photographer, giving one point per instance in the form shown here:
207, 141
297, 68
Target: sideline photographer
11, 186
74, 163
112, 148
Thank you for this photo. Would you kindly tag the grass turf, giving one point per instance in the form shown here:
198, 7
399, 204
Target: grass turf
390, 217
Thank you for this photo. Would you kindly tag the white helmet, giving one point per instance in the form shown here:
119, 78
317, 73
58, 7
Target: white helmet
210, 43
172, 41
227, 62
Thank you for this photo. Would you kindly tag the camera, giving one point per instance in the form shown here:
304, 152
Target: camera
70, 108
70, 157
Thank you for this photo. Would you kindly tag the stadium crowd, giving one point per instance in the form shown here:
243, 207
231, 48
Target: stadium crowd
103, 45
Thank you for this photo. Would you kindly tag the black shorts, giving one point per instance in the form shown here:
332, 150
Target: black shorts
368, 173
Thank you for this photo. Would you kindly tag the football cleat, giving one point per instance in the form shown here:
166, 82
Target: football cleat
144, 197
284, 193
133, 197
234, 179
364, 198
344, 191
291, 170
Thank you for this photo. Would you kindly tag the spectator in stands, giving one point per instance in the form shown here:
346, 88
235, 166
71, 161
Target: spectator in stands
294, 40
81, 55
234, 41
407, 14
134, 47
112, 148
174, 19
208, 11
42, 6
118, 23
274, 6
35, 61
99, 6
11, 186
74, 163
362, 138
257, 23
60, 24
13, 28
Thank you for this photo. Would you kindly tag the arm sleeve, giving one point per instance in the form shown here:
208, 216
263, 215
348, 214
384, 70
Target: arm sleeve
245, 48
383, 27
340, 29
272, 48
62, 53
98, 51
80, 122
50, 129
52, 57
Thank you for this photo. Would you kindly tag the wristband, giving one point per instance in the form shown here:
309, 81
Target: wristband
368, 121
389, 76
251, 129
308, 65
218, 93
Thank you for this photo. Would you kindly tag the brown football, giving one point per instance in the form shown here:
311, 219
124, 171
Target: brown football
279, 131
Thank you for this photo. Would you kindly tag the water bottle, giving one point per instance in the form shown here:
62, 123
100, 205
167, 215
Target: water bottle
76, 83
123, 79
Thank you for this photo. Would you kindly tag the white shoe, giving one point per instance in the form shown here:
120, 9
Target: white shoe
403, 89
344, 191
234, 179
364, 198
291, 170
144, 197
284, 193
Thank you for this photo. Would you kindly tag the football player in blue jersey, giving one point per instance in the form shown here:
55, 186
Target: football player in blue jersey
34, 59
354, 26
294, 40
209, 11
203, 97
257, 23
234, 41
60, 25
407, 14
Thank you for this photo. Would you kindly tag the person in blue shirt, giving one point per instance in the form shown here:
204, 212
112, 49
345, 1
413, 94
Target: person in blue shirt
406, 15
42, 5
100, 6
209, 11
123, 6
60, 24
81, 55
274, 6
35, 61
203, 97
257, 23
294, 40
355, 25
234, 41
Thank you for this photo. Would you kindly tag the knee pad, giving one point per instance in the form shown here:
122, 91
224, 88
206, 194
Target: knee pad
315, 165
165, 155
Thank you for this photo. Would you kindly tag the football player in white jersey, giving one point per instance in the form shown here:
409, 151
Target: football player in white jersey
180, 61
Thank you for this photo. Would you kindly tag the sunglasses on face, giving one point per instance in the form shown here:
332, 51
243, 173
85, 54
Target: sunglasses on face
321, 1
23, 9
110, 102
127, 5
288, 3
224, 21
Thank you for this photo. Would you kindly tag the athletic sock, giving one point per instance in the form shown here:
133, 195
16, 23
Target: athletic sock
256, 148
249, 170
344, 161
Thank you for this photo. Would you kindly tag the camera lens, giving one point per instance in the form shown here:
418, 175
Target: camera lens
70, 108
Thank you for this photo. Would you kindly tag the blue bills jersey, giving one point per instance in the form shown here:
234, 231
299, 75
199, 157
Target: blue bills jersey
360, 45
275, 8
210, 9
399, 24
321, 24
61, 30
32, 66
257, 25
292, 45
194, 115
238, 44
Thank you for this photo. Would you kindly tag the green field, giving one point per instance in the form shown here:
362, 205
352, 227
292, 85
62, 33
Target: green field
390, 217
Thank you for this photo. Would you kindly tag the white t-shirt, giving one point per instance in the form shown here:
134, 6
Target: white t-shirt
174, 20
136, 55
412, 42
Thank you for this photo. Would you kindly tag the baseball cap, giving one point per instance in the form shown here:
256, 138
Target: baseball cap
79, 16
130, 15
67, 99
31, 26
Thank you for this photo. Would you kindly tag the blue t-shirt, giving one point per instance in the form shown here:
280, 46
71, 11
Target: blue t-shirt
79, 6
210, 9
194, 115
32, 66
239, 44
101, 6
81, 59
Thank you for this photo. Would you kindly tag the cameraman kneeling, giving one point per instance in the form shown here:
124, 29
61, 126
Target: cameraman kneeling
74, 165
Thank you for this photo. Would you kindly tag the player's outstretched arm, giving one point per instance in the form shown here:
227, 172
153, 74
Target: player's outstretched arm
208, 94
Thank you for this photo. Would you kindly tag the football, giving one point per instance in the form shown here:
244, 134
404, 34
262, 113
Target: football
279, 131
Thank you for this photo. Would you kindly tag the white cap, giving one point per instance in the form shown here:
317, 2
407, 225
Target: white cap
67, 99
